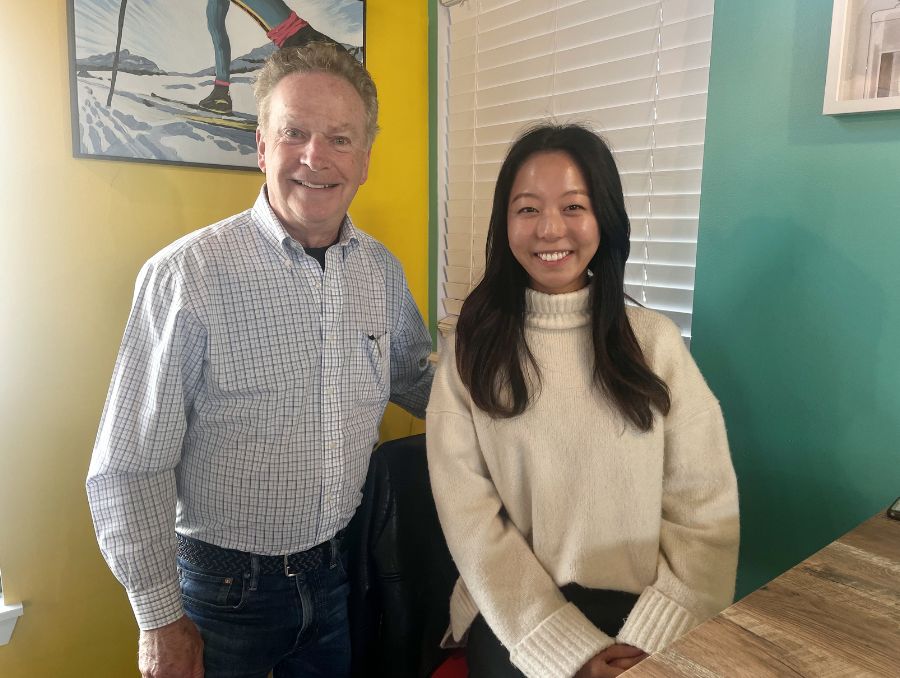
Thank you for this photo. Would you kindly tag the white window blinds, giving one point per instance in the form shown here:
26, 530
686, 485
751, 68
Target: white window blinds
634, 70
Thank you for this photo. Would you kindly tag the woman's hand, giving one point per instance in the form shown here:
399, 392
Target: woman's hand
626, 663
611, 662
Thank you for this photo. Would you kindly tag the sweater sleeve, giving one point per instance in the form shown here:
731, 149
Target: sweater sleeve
547, 637
699, 524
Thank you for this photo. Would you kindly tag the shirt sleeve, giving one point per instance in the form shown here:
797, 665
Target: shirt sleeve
699, 532
547, 637
411, 369
131, 482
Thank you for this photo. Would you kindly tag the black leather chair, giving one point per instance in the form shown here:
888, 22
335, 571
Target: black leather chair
401, 573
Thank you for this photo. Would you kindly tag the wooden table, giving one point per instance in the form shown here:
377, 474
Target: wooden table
835, 614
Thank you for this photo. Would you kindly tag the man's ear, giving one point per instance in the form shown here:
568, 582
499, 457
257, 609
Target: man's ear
260, 150
365, 172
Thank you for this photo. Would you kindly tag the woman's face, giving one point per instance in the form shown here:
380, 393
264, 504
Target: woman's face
552, 229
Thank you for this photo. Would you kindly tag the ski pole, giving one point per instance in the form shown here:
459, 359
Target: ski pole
115, 66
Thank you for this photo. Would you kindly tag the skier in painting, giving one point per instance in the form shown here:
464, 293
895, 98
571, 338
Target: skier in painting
281, 24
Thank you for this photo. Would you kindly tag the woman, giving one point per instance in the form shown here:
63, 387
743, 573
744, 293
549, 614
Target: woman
578, 459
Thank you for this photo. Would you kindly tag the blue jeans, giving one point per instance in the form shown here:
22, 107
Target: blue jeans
253, 623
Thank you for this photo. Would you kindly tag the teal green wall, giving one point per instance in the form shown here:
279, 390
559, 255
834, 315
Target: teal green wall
797, 309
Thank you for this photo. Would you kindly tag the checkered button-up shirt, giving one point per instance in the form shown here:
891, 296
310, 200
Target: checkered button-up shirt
246, 398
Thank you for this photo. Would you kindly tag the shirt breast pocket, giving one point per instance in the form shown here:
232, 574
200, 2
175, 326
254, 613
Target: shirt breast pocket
374, 374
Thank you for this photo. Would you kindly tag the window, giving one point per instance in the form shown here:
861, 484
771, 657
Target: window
634, 70
8, 616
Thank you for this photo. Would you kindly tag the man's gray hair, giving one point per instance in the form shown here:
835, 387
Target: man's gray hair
316, 57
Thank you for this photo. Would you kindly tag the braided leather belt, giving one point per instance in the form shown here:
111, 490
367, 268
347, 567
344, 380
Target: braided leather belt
226, 561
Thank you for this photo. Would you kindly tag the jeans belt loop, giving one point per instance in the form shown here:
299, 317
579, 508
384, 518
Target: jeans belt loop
254, 573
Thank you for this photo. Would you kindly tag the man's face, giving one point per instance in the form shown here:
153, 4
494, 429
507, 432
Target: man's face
315, 154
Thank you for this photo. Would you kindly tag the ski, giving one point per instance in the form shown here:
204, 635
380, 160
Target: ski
198, 107
212, 119
196, 113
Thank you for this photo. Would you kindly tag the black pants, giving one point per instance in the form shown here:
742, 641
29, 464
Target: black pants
607, 610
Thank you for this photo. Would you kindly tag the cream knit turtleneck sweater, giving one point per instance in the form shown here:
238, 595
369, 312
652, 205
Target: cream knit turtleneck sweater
569, 491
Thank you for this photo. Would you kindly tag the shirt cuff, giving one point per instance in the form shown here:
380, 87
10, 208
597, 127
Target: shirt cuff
157, 607
560, 645
655, 621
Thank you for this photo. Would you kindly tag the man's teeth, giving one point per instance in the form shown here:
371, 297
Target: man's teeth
310, 185
553, 256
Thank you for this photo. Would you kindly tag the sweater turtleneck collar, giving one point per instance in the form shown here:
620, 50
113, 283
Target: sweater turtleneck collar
558, 311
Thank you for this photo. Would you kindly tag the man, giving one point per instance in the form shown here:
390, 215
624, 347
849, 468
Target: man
255, 368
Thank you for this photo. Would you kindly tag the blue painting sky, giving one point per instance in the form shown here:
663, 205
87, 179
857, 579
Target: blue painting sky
173, 33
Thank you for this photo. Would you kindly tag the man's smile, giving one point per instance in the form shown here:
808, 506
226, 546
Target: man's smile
309, 184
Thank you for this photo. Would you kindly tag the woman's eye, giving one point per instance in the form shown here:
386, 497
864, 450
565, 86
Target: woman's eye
571, 208
527, 210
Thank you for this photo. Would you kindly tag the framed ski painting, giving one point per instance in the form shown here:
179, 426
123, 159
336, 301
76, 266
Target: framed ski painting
171, 81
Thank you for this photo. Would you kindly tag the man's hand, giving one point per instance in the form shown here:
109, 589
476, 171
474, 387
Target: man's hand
171, 651
611, 662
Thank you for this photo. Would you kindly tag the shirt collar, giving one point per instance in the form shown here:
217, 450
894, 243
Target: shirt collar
273, 230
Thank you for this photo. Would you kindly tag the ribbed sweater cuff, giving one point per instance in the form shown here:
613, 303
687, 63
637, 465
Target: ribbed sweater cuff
462, 611
655, 621
559, 646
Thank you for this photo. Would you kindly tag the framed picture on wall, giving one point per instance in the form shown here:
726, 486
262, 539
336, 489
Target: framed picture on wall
171, 82
863, 57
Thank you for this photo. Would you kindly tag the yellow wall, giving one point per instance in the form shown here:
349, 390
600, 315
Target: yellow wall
73, 234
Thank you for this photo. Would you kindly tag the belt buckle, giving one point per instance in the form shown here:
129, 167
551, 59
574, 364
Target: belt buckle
287, 568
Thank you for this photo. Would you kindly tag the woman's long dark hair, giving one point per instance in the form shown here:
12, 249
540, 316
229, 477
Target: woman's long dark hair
490, 335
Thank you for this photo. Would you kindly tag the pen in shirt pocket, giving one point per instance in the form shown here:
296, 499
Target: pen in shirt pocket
377, 345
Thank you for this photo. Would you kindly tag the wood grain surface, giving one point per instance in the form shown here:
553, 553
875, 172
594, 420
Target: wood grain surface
836, 614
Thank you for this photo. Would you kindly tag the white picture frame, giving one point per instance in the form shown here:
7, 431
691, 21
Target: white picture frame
863, 57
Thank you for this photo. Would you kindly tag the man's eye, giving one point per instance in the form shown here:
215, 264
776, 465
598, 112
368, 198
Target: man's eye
291, 133
341, 141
